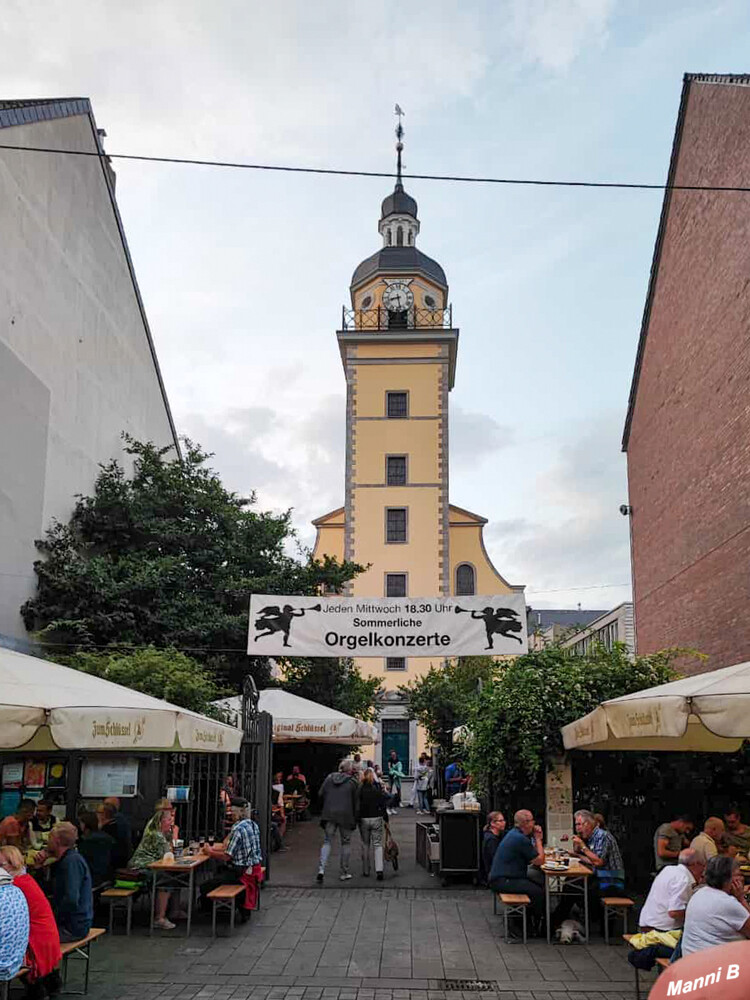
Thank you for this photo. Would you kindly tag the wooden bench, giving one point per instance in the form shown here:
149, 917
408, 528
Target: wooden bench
79, 949
615, 904
663, 963
223, 898
514, 904
120, 899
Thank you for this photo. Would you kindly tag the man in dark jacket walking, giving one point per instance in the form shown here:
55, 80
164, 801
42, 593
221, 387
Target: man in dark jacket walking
338, 795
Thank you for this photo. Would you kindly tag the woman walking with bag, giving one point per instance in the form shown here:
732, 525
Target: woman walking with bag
371, 811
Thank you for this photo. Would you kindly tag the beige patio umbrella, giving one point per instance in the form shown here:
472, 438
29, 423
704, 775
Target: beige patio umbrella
707, 712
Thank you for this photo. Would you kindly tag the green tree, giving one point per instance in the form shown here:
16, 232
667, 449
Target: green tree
167, 557
515, 724
162, 673
442, 698
333, 682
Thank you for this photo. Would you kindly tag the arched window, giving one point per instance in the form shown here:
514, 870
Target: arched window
465, 580
400, 236
388, 238
411, 237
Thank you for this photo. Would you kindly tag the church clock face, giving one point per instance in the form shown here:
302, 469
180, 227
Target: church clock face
398, 297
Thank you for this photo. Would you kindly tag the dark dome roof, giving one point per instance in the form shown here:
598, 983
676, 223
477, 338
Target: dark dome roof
399, 202
391, 259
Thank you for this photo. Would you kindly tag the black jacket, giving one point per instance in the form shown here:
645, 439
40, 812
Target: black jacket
371, 801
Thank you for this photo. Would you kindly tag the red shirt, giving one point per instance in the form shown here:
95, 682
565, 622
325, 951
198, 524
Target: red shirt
43, 953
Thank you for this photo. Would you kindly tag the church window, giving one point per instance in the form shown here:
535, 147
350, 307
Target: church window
465, 580
395, 470
395, 585
388, 237
395, 663
395, 525
367, 301
411, 237
397, 405
400, 236
429, 301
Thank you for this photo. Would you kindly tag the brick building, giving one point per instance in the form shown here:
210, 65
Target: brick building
687, 432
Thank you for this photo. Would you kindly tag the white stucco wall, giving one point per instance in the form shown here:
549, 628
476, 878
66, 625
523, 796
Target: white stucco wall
76, 368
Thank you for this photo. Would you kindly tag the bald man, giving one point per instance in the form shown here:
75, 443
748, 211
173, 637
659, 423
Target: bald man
520, 847
707, 842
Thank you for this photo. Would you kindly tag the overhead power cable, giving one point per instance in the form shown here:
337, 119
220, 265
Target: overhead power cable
330, 171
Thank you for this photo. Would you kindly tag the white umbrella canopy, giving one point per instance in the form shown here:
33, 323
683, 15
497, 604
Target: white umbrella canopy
707, 712
297, 720
84, 712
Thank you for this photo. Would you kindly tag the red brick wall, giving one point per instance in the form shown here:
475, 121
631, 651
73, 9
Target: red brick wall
689, 445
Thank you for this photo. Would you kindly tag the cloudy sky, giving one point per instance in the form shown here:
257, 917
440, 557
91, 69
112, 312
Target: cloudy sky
244, 272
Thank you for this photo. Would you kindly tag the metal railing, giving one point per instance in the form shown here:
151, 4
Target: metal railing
410, 319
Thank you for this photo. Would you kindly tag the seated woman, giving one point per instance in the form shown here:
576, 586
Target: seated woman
14, 927
717, 912
155, 842
43, 952
97, 847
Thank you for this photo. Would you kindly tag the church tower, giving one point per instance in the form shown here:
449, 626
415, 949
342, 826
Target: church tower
398, 348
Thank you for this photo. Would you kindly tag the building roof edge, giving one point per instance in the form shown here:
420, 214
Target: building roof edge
656, 260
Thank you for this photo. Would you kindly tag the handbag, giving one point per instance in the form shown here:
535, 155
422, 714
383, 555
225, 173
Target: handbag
390, 848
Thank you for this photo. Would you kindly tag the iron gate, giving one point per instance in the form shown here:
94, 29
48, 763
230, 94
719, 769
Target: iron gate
204, 814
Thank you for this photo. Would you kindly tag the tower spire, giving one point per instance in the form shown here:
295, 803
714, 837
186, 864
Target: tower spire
399, 148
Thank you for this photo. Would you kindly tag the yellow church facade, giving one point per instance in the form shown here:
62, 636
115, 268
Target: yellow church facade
399, 350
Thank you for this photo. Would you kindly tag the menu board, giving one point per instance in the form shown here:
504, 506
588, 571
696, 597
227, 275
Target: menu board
109, 776
13, 775
34, 773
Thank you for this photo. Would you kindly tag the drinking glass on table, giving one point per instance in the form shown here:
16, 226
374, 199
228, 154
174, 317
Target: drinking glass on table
211, 840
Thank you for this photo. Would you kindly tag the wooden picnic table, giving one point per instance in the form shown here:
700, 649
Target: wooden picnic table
177, 874
559, 881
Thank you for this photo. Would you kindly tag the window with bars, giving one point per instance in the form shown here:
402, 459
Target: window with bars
395, 470
395, 584
395, 663
465, 580
397, 405
395, 524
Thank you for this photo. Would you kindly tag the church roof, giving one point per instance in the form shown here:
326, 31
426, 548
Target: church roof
407, 259
398, 202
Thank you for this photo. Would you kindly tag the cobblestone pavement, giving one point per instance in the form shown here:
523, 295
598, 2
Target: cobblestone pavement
357, 944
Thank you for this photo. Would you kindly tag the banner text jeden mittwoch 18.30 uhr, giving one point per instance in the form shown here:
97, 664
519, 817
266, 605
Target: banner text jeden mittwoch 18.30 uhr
390, 626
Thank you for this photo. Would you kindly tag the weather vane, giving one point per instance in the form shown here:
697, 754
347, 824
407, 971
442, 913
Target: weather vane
399, 144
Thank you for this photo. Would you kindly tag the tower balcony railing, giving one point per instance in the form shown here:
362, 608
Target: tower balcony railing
410, 319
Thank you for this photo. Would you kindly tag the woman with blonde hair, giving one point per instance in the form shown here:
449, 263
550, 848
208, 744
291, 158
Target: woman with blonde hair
43, 951
372, 815
155, 842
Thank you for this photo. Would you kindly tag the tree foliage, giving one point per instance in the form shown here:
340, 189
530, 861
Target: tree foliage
167, 557
515, 724
442, 699
162, 673
333, 682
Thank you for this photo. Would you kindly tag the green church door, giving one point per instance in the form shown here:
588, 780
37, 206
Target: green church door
396, 737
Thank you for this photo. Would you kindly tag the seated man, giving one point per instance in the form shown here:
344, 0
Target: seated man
72, 900
718, 912
708, 841
42, 822
513, 856
668, 841
15, 829
598, 849
737, 833
242, 855
115, 825
664, 909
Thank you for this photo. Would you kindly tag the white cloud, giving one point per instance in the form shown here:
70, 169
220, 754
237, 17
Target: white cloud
475, 437
577, 538
554, 33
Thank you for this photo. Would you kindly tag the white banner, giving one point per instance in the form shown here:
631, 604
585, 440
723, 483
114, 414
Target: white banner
387, 626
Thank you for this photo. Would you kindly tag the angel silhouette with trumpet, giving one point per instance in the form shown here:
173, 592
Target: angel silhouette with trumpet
497, 621
275, 619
